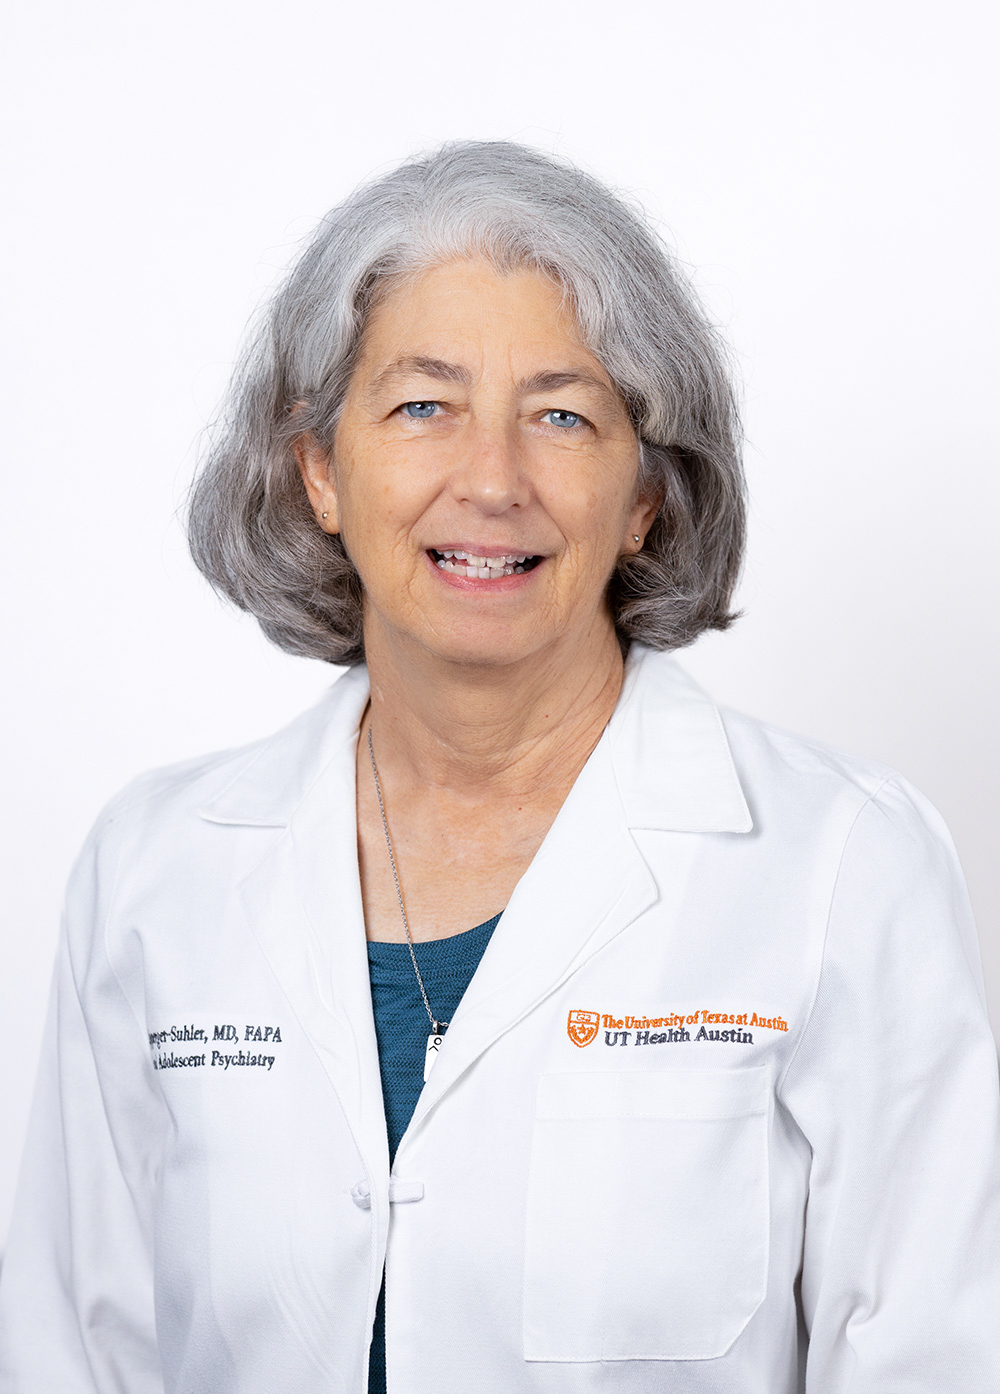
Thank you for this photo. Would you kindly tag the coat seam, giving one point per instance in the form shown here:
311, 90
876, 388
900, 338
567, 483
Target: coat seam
835, 884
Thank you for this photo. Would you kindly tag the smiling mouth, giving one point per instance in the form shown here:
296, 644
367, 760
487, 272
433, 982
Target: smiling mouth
483, 568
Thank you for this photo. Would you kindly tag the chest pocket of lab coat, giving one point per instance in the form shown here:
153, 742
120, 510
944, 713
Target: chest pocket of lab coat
647, 1216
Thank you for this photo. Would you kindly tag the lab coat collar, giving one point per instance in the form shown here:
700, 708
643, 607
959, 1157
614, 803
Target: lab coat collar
671, 759
275, 775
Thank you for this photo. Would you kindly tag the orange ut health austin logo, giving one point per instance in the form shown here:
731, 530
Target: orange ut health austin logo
582, 1027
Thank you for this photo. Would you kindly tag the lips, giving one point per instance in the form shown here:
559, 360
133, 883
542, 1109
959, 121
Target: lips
484, 567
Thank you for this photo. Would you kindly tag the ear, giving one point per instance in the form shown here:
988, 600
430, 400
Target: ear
640, 520
315, 468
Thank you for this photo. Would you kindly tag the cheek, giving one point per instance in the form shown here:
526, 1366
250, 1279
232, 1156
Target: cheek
381, 495
592, 514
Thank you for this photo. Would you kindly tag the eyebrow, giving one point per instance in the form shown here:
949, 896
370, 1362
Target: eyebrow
425, 367
549, 381
546, 381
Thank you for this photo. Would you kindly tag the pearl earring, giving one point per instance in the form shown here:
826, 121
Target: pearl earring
635, 535
324, 515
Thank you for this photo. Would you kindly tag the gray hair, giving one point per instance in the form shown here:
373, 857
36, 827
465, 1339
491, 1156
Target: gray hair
251, 529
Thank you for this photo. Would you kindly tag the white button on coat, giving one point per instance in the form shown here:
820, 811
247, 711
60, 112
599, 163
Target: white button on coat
718, 1111
400, 1192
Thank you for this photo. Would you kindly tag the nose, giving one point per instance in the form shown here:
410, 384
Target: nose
491, 472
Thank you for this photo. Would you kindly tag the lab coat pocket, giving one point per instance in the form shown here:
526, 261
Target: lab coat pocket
647, 1216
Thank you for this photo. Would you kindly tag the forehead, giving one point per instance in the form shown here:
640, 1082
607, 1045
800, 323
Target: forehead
467, 312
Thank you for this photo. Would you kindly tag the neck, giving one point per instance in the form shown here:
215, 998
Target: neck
515, 730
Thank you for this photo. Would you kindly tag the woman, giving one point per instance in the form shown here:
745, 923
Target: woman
512, 1020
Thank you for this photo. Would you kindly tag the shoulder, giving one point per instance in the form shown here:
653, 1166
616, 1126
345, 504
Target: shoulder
180, 834
886, 805
173, 792
685, 762
887, 842
896, 913
793, 776
769, 754
154, 811
262, 780
179, 784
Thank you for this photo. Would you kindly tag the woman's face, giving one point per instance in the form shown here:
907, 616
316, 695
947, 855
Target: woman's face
483, 474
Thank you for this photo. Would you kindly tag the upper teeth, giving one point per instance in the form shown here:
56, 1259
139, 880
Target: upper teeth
506, 559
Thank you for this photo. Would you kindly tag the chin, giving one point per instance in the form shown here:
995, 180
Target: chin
484, 647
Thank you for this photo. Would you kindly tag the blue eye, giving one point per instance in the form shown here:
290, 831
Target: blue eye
419, 411
563, 418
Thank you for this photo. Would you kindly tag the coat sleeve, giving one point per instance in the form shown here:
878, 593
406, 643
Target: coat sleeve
894, 1085
76, 1303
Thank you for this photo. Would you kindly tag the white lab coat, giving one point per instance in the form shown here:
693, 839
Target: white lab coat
718, 1112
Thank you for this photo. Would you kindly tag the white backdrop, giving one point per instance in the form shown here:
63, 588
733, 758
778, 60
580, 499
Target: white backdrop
829, 172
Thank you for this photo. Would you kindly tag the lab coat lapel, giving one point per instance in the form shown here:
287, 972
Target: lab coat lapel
303, 899
587, 882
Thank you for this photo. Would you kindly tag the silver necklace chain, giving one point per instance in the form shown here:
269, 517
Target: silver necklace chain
436, 1026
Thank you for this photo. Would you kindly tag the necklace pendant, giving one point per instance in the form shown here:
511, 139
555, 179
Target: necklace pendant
434, 1041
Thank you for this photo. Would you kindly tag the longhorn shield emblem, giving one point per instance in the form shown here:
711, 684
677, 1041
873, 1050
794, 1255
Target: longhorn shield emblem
582, 1027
